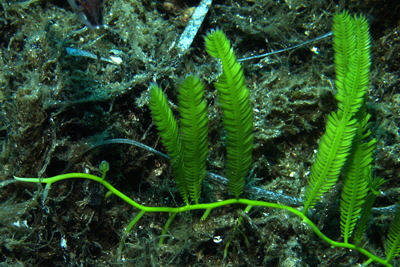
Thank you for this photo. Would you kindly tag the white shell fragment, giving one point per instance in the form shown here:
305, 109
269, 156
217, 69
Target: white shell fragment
193, 26
113, 59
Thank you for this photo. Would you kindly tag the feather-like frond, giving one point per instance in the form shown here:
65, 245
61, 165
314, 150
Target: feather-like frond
334, 147
393, 239
373, 185
351, 42
352, 61
194, 129
357, 174
167, 127
344, 45
237, 112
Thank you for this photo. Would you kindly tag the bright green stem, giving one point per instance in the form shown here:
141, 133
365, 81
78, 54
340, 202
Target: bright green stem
246, 210
127, 231
144, 209
108, 194
238, 222
205, 215
366, 263
166, 227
